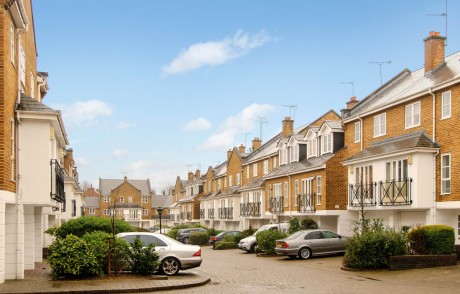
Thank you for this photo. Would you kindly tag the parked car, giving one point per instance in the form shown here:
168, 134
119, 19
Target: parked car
249, 243
183, 235
164, 231
308, 243
221, 236
173, 255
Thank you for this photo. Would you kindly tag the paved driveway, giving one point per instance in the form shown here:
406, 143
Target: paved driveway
234, 271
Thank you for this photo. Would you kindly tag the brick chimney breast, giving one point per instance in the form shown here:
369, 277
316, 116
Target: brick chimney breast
288, 127
256, 143
434, 51
229, 153
242, 149
353, 101
190, 175
197, 173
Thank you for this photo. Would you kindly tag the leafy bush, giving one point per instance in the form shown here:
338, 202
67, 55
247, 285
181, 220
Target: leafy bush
222, 245
294, 225
248, 232
214, 232
139, 229
432, 240
372, 248
87, 224
266, 240
72, 257
119, 251
98, 243
173, 232
309, 224
199, 238
143, 260
236, 238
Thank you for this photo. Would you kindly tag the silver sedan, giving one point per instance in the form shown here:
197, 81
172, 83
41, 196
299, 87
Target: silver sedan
308, 243
173, 255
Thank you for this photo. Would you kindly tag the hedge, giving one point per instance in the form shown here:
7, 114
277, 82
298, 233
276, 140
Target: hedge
222, 245
266, 240
199, 238
432, 240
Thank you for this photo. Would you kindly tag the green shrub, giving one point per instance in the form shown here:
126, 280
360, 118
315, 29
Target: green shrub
173, 232
222, 245
372, 248
139, 229
72, 257
199, 238
294, 225
119, 251
432, 240
236, 238
98, 243
143, 260
248, 232
308, 224
88, 224
266, 240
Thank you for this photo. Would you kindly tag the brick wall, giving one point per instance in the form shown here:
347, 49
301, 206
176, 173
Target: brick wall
421, 261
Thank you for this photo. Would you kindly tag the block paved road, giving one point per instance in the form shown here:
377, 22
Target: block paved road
234, 271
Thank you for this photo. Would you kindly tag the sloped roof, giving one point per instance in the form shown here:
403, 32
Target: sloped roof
232, 191
107, 185
162, 201
127, 205
407, 84
255, 183
30, 104
298, 167
396, 144
335, 125
220, 170
91, 202
264, 150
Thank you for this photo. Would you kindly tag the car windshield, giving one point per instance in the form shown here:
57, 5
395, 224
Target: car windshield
295, 235
262, 228
220, 234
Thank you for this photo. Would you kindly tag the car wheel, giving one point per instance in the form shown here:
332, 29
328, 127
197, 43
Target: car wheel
253, 248
304, 253
169, 266
186, 240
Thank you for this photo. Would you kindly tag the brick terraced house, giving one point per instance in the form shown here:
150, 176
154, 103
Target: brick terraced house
404, 161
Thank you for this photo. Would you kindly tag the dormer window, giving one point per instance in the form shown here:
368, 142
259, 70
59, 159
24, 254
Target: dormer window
312, 148
327, 144
294, 153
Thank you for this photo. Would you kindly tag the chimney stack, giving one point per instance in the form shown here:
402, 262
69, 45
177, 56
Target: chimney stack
190, 175
126, 179
229, 153
197, 173
242, 149
288, 127
434, 51
352, 102
256, 143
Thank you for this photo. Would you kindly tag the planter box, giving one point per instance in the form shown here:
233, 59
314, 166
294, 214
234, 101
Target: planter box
401, 262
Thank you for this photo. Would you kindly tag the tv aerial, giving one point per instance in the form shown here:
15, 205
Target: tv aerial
380, 67
444, 14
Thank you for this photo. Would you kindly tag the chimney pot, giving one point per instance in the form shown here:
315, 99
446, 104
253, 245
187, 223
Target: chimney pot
288, 127
434, 51
256, 143
242, 149
353, 101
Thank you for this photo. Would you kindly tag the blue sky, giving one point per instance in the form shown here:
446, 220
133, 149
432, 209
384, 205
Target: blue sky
149, 89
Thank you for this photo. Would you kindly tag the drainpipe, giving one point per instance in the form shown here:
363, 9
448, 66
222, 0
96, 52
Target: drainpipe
436, 154
19, 273
361, 131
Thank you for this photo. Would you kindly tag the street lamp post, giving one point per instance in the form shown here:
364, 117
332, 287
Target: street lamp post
160, 211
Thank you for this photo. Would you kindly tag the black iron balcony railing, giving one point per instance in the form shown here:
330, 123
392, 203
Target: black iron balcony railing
211, 213
226, 213
396, 192
362, 194
57, 182
305, 202
250, 209
275, 205
201, 213
189, 216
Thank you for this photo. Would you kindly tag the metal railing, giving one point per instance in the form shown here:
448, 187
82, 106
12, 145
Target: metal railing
211, 213
275, 205
250, 209
57, 182
396, 192
362, 194
305, 202
226, 213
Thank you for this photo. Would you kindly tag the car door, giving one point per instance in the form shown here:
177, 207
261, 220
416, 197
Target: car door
161, 248
334, 242
315, 240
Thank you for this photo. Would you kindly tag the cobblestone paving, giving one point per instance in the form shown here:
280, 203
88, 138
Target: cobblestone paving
234, 271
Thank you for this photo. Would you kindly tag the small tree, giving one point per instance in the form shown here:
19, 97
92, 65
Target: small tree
294, 225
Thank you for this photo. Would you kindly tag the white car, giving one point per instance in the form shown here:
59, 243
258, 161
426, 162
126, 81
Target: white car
173, 255
249, 243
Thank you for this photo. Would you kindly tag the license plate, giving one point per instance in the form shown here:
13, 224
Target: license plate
279, 245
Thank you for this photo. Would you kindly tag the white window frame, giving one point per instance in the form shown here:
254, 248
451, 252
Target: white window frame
106, 212
327, 144
319, 186
357, 132
446, 104
32, 85
274, 162
122, 199
22, 66
12, 124
145, 211
380, 125
247, 171
230, 180
219, 184
312, 146
278, 190
296, 191
444, 177
145, 199
265, 166
238, 179
254, 169
12, 43
106, 198
412, 115
286, 194
92, 210
130, 199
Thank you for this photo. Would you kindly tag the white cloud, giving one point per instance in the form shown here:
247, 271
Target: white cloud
85, 113
216, 52
199, 124
122, 125
138, 166
119, 153
243, 122
81, 161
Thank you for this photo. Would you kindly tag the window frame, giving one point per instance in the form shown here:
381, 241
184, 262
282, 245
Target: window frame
319, 186
286, 194
22, 66
357, 132
409, 119
92, 210
444, 94
254, 169
12, 43
378, 124
443, 177
327, 143
265, 166
312, 148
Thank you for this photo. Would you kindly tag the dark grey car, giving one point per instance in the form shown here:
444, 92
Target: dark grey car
183, 235
306, 244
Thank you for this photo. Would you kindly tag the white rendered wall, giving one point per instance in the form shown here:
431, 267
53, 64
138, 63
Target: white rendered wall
29, 237
38, 233
14, 242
